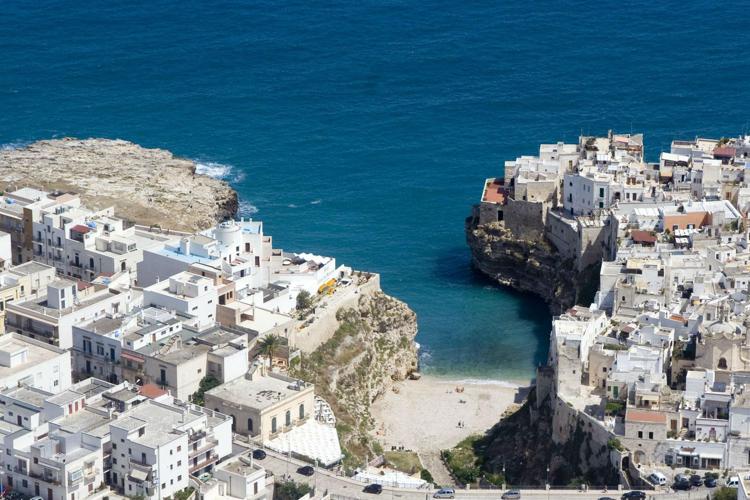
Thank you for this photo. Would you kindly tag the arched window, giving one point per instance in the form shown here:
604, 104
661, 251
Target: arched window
288, 420
722, 364
273, 425
249, 425
301, 411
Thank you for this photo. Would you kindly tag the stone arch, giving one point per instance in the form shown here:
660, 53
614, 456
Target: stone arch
722, 364
639, 457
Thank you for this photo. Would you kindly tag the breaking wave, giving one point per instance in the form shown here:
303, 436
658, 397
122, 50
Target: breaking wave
10, 146
217, 170
247, 209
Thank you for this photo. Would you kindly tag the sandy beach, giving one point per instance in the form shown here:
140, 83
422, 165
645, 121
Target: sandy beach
424, 414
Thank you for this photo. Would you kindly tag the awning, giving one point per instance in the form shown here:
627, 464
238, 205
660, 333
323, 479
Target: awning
131, 357
139, 475
716, 456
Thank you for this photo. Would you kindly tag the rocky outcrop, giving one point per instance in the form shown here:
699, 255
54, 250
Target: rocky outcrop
373, 348
147, 186
521, 445
532, 266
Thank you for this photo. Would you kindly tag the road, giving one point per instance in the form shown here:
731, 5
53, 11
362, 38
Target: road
346, 488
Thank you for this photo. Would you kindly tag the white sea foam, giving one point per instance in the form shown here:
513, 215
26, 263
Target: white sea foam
221, 171
213, 169
500, 383
316, 202
10, 146
292, 205
247, 209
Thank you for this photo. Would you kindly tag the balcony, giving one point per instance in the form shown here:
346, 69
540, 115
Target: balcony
47, 478
213, 457
140, 465
197, 435
210, 444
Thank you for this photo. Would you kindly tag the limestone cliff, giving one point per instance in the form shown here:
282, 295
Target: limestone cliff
532, 266
147, 186
373, 347
525, 445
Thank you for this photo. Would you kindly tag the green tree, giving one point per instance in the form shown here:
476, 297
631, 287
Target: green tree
206, 384
725, 493
270, 344
304, 301
289, 490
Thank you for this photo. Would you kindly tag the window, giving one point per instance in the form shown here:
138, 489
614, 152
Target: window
114, 446
163, 485
179, 448
249, 425
640, 434
651, 435
273, 424
288, 419
722, 364
179, 478
301, 411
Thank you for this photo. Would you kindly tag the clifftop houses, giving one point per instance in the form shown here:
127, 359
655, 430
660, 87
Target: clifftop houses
112, 331
660, 361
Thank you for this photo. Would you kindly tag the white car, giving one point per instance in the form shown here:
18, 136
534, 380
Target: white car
445, 493
733, 482
658, 479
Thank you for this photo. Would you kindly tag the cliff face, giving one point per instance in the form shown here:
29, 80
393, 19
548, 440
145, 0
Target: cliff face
521, 444
147, 186
373, 347
532, 266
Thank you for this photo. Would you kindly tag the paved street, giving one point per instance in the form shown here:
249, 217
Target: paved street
346, 488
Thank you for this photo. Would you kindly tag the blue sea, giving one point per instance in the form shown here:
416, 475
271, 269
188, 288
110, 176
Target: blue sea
364, 130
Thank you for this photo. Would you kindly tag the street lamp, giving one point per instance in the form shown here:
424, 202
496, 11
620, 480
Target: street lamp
548, 481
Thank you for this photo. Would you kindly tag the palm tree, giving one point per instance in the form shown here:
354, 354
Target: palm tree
270, 344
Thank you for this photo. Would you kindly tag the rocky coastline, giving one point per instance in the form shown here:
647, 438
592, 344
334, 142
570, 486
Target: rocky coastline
146, 186
372, 349
526, 265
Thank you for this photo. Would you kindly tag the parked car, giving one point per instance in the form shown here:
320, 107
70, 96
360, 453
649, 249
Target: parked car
657, 478
259, 454
682, 478
696, 480
445, 493
511, 495
683, 484
733, 482
306, 470
634, 495
373, 488
710, 482
605, 498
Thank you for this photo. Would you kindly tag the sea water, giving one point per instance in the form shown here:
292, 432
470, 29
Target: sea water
364, 130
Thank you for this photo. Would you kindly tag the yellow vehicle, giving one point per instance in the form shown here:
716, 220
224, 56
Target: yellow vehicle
328, 287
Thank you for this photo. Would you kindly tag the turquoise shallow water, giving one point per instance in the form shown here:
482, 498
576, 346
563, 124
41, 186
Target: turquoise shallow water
364, 129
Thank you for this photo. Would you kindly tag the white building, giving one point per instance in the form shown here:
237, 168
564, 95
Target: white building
50, 317
185, 293
25, 361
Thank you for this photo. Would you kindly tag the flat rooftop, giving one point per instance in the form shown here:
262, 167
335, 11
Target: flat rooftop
31, 267
494, 191
260, 393
37, 353
160, 422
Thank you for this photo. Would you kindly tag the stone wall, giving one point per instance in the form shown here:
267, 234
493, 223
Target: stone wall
525, 219
325, 324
